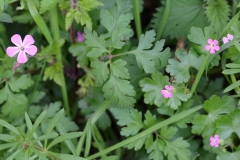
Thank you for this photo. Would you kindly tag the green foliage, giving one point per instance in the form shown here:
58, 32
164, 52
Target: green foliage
119, 91
218, 13
25, 142
180, 68
215, 107
47, 5
153, 88
53, 73
182, 13
80, 51
80, 13
14, 104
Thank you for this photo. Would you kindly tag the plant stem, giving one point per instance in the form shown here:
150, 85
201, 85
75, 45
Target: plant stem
91, 121
171, 120
56, 37
137, 17
199, 74
163, 21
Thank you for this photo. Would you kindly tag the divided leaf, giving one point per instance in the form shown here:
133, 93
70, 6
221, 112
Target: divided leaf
153, 88
97, 44
180, 68
119, 91
116, 20
22, 83
229, 124
118, 69
100, 71
47, 5
53, 73
215, 107
130, 118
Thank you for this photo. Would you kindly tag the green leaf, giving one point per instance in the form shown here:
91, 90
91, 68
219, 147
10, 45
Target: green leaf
67, 157
64, 137
160, 58
150, 119
52, 111
232, 86
45, 137
180, 68
218, 13
4, 17
183, 15
100, 71
53, 73
116, 20
130, 118
15, 104
47, 5
154, 150
8, 126
177, 149
97, 43
200, 37
8, 145
168, 132
153, 88
228, 124
229, 155
22, 82
69, 18
144, 60
215, 107
89, 4
118, 69
13, 155
233, 54
7, 138
119, 91
80, 51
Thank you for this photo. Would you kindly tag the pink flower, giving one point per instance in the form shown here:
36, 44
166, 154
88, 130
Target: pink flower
214, 141
213, 46
80, 36
227, 39
167, 93
22, 47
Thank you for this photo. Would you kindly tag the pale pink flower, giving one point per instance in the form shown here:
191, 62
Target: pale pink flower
214, 141
213, 46
167, 93
22, 47
227, 39
80, 36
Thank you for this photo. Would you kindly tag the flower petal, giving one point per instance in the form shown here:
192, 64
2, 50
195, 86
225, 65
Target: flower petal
230, 37
210, 41
212, 51
207, 47
28, 40
22, 57
216, 136
225, 40
12, 51
167, 87
170, 88
217, 48
215, 42
31, 50
17, 40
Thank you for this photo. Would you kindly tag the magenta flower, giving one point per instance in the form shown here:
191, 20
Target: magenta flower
227, 39
80, 36
214, 141
213, 46
22, 47
167, 92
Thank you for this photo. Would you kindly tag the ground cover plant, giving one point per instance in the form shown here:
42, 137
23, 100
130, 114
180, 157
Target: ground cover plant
119, 79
